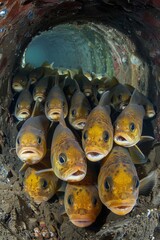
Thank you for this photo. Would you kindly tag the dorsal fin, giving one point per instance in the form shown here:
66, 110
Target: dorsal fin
77, 86
61, 120
135, 98
147, 183
105, 99
36, 109
56, 80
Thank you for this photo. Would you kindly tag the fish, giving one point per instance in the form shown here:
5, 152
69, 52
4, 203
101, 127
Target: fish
79, 109
129, 124
118, 182
31, 140
69, 86
67, 157
40, 188
44, 71
23, 107
40, 89
81, 201
97, 135
20, 81
120, 97
84, 83
56, 103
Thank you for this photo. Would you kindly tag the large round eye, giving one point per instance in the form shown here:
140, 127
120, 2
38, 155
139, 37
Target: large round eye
107, 183
44, 183
18, 140
73, 112
62, 158
132, 127
39, 140
105, 136
70, 200
47, 104
136, 182
120, 97
85, 135
94, 201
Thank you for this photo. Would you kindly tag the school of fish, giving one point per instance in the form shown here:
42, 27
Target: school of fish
82, 129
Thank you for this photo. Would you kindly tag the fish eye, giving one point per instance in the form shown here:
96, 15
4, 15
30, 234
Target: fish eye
132, 127
136, 182
47, 104
39, 140
94, 201
73, 112
120, 97
44, 183
105, 136
70, 200
85, 135
18, 140
107, 183
18, 105
62, 158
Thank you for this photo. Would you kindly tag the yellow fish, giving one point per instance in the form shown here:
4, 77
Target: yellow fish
23, 105
118, 182
40, 187
84, 83
79, 109
31, 140
56, 103
97, 136
128, 126
40, 90
81, 200
67, 157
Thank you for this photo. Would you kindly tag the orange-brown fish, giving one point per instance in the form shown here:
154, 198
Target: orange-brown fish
20, 81
79, 109
56, 103
118, 182
120, 97
128, 126
67, 157
40, 187
97, 136
23, 107
40, 89
84, 83
82, 203
31, 140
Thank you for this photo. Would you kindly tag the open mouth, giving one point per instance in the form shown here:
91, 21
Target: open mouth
30, 156
76, 175
23, 115
95, 156
82, 222
80, 124
121, 139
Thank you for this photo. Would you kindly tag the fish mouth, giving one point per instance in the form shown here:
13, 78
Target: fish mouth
82, 220
121, 208
23, 114
54, 115
125, 141
30, 155
150, 113
87, 92
17, 87
39, 97
95, 156
76, 176
79, 124
101, 90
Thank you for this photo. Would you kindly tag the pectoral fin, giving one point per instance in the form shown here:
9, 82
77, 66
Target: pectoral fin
147, 184
44, 171
24, 167
137, 156
146, 139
